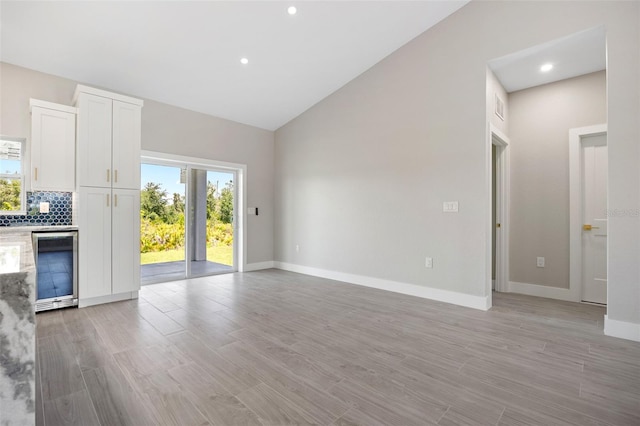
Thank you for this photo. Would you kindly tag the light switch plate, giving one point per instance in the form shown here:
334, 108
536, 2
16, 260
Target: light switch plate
44, 207
450, 207
540, 262
428, 262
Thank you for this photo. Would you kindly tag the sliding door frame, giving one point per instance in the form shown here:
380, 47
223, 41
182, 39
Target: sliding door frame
240, 197
156, 162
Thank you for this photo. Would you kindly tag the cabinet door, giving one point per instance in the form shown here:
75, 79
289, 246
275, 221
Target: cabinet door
126, 145
94, 140
126, 240
94, 242
53, 150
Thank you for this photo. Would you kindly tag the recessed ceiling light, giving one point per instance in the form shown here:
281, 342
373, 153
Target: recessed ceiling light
244, 61
292, 10
546, 67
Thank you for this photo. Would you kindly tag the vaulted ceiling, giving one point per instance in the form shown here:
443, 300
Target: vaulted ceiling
189, 54
571, 56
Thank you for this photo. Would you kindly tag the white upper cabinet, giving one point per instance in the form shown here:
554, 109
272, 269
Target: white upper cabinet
94, 140
109, 138
126, 145
53, 147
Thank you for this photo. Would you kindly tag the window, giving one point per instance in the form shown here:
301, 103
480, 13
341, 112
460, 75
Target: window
12, 193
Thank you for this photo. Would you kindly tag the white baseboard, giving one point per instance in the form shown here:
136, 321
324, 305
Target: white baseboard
477, 302
541, 291
621, 329
83, 303
258, 266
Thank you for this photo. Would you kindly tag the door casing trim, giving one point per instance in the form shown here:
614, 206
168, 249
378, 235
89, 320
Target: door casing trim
575, 206
240, 255
503, 183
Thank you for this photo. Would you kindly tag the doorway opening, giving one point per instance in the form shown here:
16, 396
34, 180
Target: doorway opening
162, 224
210, 218
540, 105
499, 210
189, 218
588, 166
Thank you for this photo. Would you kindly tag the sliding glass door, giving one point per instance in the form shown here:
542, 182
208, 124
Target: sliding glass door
211, 222
188, 221
162, 223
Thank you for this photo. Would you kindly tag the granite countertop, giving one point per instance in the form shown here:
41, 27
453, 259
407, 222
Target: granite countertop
16, 253
38, 228
17, 328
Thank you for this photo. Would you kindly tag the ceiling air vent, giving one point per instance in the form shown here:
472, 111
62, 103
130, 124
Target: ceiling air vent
499, 107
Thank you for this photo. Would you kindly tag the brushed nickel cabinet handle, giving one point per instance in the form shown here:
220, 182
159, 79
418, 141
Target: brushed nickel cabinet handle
36, 174
115, 200
107, 200
108, 175
115, 175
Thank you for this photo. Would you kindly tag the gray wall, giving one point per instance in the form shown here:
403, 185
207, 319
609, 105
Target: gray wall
494, 87
361, 176
539, 130
168, 129
174, 130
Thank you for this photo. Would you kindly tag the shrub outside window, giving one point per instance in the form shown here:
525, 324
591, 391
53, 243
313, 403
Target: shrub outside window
12, 187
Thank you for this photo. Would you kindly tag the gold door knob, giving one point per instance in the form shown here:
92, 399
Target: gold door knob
589, 227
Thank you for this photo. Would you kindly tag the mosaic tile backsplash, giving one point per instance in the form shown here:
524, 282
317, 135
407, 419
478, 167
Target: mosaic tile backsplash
60, 206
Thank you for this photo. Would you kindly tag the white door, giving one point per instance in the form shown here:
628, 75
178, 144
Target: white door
94, 140
126, 145
94, 242
594, 215
126, 240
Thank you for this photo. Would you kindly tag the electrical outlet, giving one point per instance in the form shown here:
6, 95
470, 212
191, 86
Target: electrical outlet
540, 262
44, 207
428, 262
450, 207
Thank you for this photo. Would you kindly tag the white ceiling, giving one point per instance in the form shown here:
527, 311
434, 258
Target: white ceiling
571, 56
188, 53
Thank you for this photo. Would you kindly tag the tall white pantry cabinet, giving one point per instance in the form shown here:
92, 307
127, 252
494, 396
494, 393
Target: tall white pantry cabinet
108, 214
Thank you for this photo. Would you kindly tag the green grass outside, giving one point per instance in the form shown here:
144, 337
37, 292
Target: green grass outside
220, 254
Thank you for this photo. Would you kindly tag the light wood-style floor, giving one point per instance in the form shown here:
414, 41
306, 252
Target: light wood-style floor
154, 273
276, 348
